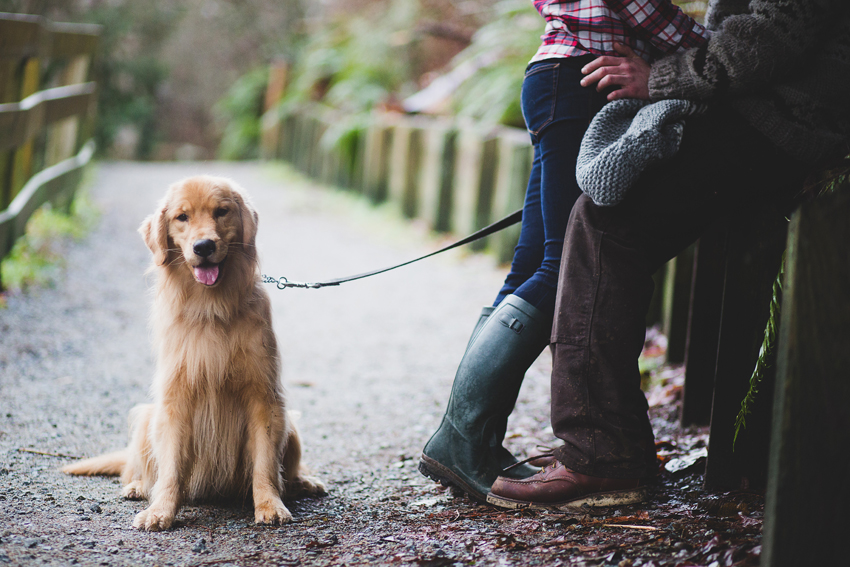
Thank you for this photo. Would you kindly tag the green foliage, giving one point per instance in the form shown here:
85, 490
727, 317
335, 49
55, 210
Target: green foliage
766, 354
37, 257
240, 111
492, 93
830, 179
353, 64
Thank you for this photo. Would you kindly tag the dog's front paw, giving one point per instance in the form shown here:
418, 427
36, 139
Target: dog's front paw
133, 491
271, 512
153, 519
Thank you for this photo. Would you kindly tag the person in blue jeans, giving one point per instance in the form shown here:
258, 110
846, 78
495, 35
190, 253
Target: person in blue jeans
466, 451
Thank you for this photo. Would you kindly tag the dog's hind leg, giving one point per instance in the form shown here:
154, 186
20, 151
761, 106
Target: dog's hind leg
296, 477
140, 473
123, 462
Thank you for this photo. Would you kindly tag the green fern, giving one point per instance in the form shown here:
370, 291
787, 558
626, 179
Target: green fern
766, 357
826, 181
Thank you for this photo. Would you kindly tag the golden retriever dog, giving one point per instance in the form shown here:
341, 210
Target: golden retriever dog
218, 425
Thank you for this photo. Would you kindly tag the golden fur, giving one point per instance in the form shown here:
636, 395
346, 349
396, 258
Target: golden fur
218, 424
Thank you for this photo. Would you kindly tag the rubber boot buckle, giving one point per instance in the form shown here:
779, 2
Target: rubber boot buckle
513, 324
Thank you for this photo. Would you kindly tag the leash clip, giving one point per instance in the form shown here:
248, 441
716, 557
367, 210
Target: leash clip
283, 283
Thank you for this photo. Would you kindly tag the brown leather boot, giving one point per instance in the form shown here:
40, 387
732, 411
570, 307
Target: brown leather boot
557, 487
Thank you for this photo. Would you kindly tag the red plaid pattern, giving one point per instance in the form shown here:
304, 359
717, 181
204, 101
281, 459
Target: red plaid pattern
582, 27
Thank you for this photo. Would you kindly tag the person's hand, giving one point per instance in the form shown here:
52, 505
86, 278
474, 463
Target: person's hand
628, 75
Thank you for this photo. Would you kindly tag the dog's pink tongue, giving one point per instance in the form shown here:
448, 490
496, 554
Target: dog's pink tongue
207, 275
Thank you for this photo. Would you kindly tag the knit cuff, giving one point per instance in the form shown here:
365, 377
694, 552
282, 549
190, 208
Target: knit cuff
669, 78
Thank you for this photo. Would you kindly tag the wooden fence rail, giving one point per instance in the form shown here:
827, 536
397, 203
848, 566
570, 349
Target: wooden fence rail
47, 109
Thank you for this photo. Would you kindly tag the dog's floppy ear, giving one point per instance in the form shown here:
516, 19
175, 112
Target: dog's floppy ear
154, 231
249, 219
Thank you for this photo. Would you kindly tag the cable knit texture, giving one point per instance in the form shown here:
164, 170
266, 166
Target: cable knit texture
784, 65
624, 138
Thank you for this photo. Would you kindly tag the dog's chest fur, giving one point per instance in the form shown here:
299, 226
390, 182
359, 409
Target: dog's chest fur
215, 368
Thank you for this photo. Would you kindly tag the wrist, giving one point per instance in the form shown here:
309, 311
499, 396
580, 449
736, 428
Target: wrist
665, 78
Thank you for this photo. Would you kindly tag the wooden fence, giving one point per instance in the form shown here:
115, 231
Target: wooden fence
47, 109
456, 175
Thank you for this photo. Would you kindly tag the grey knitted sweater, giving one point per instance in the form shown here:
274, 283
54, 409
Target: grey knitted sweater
784, 65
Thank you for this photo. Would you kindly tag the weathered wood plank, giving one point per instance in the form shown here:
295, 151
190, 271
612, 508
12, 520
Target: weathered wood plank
405, 167
514, 168
486, 188
753, 254
55, 184
21, 36
72, 40
703, 326
469, 148
25, 35
21, 121
437, 170
379, 137
807, 496
677, 294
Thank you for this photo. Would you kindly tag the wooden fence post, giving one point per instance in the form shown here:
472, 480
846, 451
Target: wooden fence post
467, 181
807, 496
379, 138
677, 294
753, 254
437, 174
514, 167
405, 167
703, 326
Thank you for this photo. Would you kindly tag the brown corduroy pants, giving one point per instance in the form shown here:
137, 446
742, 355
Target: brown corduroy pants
605, 285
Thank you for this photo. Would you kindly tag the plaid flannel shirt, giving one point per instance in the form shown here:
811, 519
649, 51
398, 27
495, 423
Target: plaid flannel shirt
582, 27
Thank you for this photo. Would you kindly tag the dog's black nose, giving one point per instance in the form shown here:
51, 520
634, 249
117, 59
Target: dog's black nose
204, 248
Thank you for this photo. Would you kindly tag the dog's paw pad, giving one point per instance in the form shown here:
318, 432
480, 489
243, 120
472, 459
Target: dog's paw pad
153, 520
133, 491
271, 513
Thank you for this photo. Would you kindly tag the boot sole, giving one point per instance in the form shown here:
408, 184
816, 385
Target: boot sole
597, 500
439, 473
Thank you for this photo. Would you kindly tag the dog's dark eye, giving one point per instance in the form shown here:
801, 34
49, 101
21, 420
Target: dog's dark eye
183, 218
220, 212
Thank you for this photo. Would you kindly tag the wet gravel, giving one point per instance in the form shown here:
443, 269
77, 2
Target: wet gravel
369, 367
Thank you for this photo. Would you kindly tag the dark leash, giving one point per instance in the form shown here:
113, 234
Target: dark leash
511, 219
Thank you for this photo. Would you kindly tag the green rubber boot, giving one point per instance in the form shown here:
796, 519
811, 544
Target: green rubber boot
466, 451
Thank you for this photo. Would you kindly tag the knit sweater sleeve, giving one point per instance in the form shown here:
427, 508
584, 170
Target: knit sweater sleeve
770, 42
719, 11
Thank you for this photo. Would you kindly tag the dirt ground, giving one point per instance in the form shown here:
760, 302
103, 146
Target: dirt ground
368, 365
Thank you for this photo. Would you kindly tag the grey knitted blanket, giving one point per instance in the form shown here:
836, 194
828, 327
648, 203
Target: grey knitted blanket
623, 139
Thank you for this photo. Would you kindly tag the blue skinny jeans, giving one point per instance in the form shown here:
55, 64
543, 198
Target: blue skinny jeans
557, 110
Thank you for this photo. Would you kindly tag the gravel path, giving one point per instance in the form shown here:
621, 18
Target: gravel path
369, 365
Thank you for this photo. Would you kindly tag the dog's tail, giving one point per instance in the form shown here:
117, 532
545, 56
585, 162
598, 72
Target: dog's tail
110, 464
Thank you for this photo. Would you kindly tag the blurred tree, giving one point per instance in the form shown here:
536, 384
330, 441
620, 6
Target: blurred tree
508, 42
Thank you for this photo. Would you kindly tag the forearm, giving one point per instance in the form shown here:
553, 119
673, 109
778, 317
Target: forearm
749, 51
